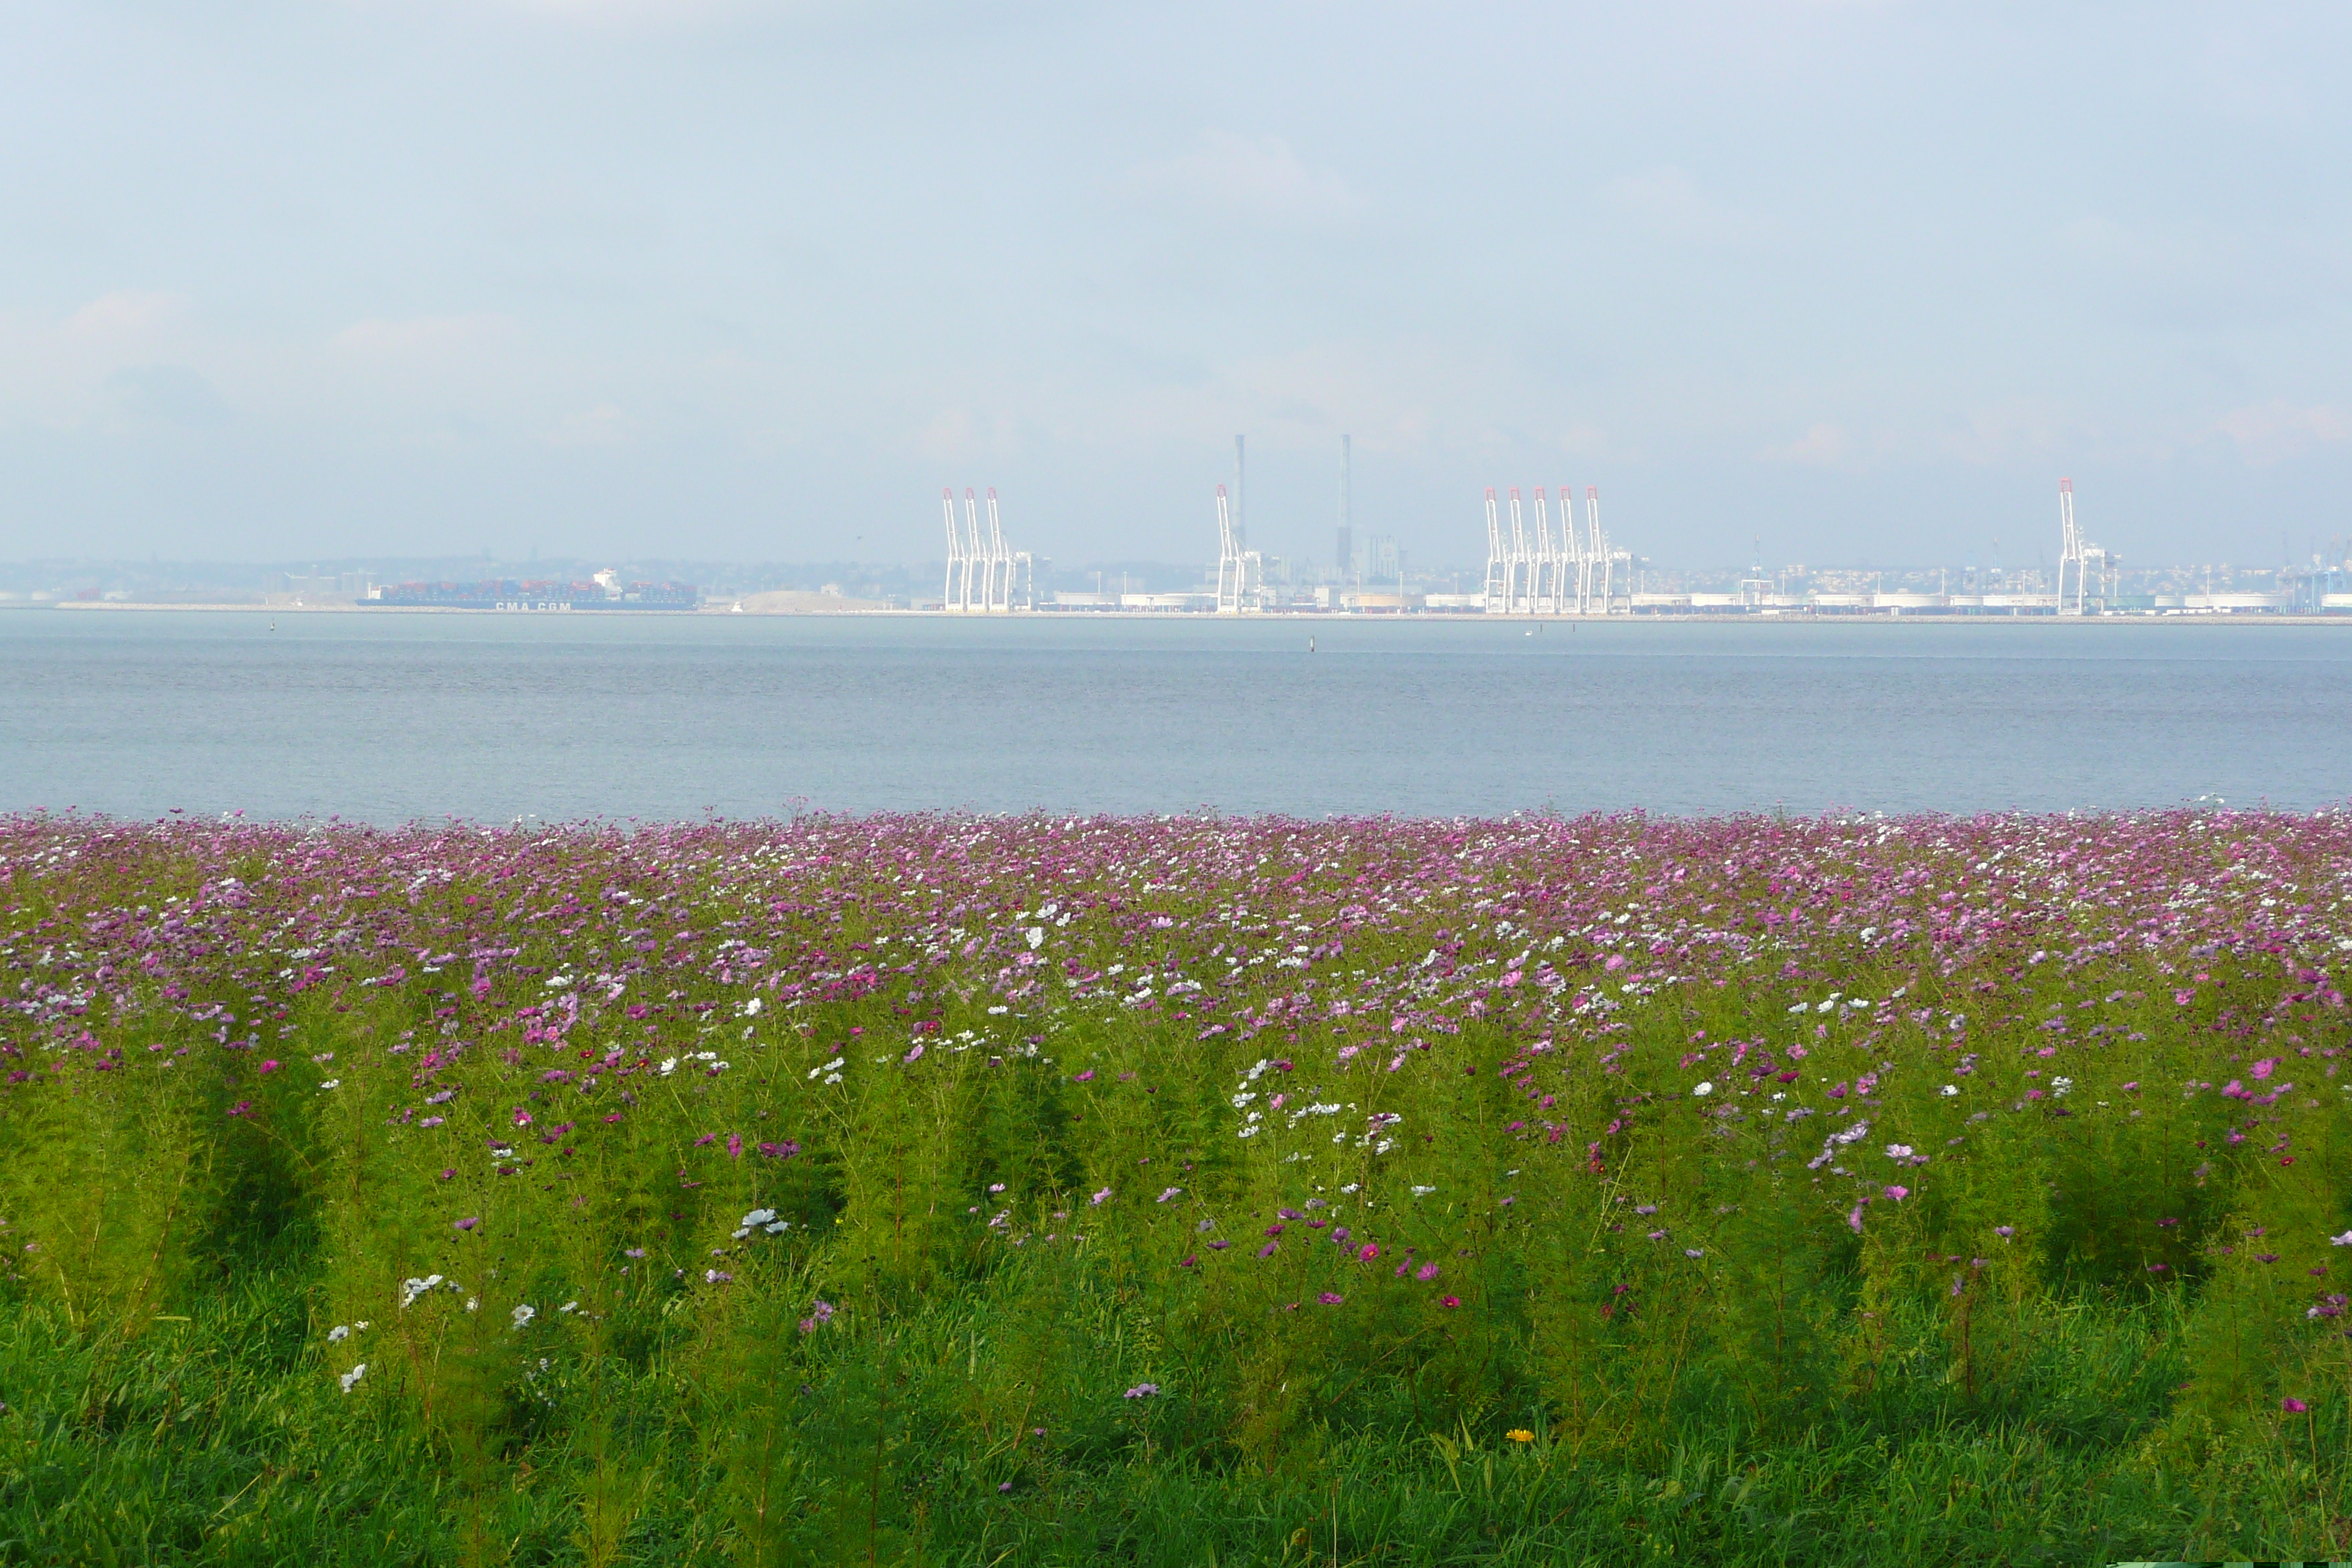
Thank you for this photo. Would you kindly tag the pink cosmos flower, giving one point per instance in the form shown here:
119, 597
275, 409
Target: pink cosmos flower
1425, 1273
270, 1066
1371, 1250
1898, 1194
1449, 1302
2293, 1406
468, 1223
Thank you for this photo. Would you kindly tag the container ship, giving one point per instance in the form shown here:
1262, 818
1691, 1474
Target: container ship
605, 590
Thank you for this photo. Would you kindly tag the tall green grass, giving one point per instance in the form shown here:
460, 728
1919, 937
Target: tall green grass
1052, 1266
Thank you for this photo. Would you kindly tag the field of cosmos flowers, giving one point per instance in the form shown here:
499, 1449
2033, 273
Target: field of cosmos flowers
952, 1190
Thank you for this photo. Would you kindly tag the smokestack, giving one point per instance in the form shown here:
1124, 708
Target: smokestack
1346, 548
1241, 489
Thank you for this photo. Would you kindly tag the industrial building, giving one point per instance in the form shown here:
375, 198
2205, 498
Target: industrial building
1553, 559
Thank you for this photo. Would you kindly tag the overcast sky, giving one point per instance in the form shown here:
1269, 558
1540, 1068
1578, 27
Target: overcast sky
735, 278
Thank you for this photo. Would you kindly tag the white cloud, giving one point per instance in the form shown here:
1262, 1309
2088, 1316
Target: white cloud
122, 314
954, 434
608, 12
2005, 430
124, 358
1260, 178
166, 394
1823, 446
1427, 395
1669, 203
425, 339
2271, 432
603, 426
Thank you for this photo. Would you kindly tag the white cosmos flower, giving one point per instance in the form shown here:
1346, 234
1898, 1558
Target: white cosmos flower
1704, 1087
524, 1314
350, 1379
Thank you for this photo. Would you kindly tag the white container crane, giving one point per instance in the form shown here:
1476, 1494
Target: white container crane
1238, 570
984, 577
955, 594
2075, 551
1496, 589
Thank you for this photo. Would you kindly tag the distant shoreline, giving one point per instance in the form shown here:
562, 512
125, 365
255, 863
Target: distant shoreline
1306, 617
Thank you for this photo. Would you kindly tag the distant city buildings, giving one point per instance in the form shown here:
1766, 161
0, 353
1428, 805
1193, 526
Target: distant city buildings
1550, 559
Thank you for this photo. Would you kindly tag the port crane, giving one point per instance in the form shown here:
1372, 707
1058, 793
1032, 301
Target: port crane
1239, 571
984, 576
1573, 571
2077, 552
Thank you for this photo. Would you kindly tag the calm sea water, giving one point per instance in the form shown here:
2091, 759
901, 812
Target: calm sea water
391, 717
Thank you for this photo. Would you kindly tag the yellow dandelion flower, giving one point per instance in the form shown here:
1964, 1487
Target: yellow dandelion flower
1520, 1434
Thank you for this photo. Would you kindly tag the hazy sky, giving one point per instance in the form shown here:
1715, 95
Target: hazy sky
727, 277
